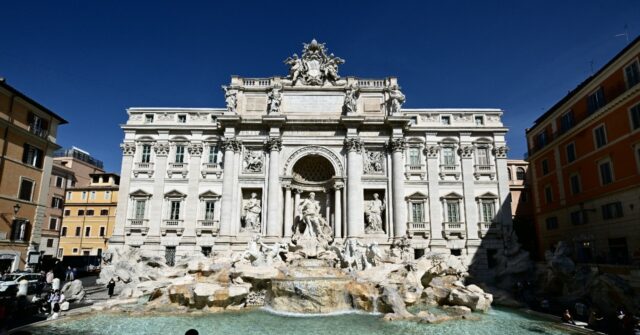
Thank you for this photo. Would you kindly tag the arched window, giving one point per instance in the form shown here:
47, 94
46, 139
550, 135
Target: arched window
520, 174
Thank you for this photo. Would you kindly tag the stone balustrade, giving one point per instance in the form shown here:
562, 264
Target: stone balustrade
208, 226
172, 225
137, 225
454, 230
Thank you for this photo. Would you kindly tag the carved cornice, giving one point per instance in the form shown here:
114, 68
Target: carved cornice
466, 151
128, 149
353, 144
195, 149
432, 151
232, 144
501, 152
274, 143
161, 149
396, 144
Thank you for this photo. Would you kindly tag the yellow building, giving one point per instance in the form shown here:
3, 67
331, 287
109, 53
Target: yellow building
89, 216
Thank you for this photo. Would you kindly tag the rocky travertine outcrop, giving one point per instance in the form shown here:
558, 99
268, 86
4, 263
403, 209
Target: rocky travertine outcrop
73, 291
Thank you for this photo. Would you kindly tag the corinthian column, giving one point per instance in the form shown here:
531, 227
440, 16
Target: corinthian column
191, 220
128, 152
231, 146
355, 203
274, 205
396, 145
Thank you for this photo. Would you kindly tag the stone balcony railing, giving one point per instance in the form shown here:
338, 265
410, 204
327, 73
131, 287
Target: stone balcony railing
208, 226
137, 225
178, 168
484, 170
489, 228
143, 168
211, 168
415, 169
450, 170
453, 230
371, 83
172, 225
422, 228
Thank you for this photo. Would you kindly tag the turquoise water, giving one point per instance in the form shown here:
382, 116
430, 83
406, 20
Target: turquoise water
498, 321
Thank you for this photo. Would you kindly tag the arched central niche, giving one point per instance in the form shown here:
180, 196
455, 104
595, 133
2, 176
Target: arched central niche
313, 169
328, 155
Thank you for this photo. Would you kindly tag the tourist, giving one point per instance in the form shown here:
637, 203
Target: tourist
54, 298
55, 312
567, 318
69, 274
49, 277
111, 286
75, 273
191, 332
595, 320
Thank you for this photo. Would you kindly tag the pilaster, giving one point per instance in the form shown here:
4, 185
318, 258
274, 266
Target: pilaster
355, 200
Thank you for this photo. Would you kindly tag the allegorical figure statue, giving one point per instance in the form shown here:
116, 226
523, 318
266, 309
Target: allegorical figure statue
275, 97
351, 100
230, 99
295, 67
396, 99
252, 210
374, 211
253, 161
310, 216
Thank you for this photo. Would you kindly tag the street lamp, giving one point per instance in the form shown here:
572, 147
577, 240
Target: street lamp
16, 208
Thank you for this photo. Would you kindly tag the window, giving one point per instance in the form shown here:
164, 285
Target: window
635, 117
60, 252
32, 156
107, 195
56, 202
595, 100
618, 250
482, 155
80, 212
90, 212
182, 118
67, 212
448, 156
53, 223
542, 139
574, 180
632, 74
545, 167
612, 210
488, 210
414, 156
453, 211
206, 251
26, 189
63, 232
87, 231
520, 173
212, 154
49, 243
103, 231
139, 209
417, 212
479, 120
446, 120
92, 195
19, 230
456, 252
209, 210
84, 195
606, 173
566, 121
78, 231
571, 152
104, 212
59, 182
37, 125
146, 153
148, 118
74, 250
548, 194
578, 217
179, 154
600, 136
175, 210
95, 179
552, 223
68, 195
170, 255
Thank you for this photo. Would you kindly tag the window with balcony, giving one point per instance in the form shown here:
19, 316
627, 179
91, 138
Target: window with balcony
26, 189
600, 136
606, 172
139, 209
212, 154
488, 210
38, 125
632, 74
571, 152
452, 210
209, 204
566, 121
209, 210
612, 210
145, 157
32, 156
482, 156
414, 156
174, 213
417, 212
595, 100
448, 156
576, 187
179, 156
635, 117
57, 202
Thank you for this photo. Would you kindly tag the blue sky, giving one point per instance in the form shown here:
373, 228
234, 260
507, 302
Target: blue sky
90, 60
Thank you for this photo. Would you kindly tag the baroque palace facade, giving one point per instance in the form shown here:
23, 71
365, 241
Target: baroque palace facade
289, 152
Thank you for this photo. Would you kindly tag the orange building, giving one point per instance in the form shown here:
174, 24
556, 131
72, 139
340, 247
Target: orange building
522, 204
28, 133
584, 156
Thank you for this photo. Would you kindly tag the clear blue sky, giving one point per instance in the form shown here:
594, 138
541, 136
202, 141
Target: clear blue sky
90, 60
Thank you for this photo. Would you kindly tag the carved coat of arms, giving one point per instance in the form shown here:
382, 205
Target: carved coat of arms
315, 67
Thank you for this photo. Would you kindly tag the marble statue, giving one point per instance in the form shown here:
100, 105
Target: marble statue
275, 97
373, 212
253, 161
395, 100
351, 100
373, 162
295, 68
251, 211
310, 216
315, 67
230, 98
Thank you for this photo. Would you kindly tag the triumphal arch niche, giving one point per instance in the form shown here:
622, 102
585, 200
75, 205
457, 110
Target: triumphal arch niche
313, 152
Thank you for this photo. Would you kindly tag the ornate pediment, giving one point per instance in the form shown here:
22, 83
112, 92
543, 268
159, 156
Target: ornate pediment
209, 195
140, 194
417, 196
487, 195
316, 67
174, 194
452, 195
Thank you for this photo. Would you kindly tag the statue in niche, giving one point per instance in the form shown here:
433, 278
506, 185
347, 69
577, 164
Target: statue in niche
253, 161
373, 163
230, 99
396, 99
351, 100
373, 212
275, 97
251, 213
315, 226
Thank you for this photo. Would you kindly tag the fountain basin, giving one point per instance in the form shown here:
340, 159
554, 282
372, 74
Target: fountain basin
309, 295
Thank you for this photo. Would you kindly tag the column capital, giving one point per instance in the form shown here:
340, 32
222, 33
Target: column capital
128, 148
396, 144
466, 151
353, 144
231, 144
161, 148
274, 143
195, 149
501, 151
432, 151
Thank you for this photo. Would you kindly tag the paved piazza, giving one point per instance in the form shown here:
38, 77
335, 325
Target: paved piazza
313, 153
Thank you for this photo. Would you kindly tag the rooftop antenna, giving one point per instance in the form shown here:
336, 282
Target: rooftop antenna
625, 34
